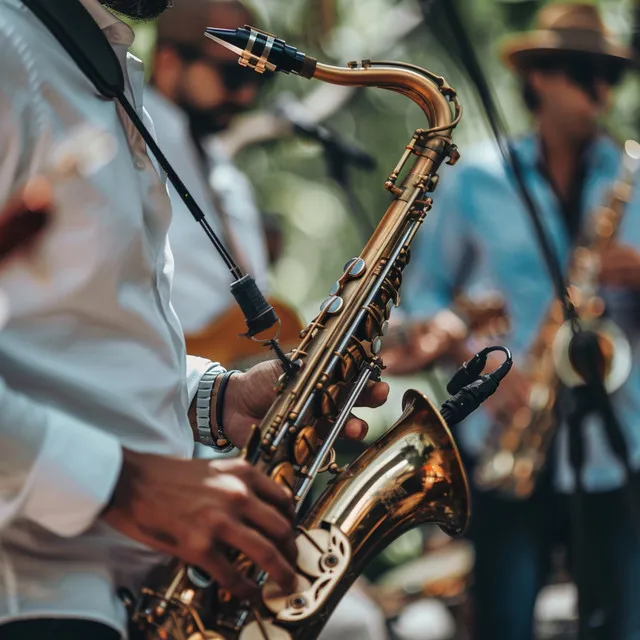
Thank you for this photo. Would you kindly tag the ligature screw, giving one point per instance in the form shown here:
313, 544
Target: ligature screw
331, 561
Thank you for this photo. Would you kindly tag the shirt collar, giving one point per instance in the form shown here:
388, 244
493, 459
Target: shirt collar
116, 31
597, 155
174, 118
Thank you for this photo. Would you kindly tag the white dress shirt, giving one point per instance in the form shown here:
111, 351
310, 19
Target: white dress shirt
92, 358
201, 281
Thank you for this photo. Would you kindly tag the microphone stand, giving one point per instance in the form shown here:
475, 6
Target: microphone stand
584, 349
339, 154
337, 163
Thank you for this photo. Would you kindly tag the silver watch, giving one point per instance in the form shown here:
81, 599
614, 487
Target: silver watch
203, 407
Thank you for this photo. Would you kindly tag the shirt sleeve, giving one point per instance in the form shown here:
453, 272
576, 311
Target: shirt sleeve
441, 253
196, 368
54, 470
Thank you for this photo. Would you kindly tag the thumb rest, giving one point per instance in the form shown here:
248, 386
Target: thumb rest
519, 450
412, 474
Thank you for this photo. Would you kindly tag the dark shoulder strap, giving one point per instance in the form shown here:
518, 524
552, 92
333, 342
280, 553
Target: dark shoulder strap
75, 29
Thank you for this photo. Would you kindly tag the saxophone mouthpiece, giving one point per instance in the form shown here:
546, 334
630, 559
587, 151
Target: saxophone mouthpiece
262, 51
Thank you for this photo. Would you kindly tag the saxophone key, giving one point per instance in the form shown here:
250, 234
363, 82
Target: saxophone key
276, 600
332, 305
305, 445
284, 475
355, 268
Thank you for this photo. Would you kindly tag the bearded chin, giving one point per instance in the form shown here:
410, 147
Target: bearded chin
138, 9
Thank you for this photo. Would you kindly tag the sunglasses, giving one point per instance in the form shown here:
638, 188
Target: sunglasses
233, 76
581, 68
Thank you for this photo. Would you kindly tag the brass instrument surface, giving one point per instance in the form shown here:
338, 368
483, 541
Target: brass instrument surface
520, 444
411, 475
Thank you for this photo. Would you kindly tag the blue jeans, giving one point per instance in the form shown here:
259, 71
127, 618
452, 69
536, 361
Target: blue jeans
514, 543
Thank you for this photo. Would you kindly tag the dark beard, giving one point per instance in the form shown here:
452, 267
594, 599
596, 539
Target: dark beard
206, 122
138, 9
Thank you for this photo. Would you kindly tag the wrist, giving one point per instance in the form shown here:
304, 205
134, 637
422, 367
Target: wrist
217, 414
205, 412
121, 487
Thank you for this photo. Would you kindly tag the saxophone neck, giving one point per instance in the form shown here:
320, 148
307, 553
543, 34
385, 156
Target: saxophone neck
429, 91
263, 52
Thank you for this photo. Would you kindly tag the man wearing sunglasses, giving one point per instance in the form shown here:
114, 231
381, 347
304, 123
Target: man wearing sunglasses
567, 68
197, 87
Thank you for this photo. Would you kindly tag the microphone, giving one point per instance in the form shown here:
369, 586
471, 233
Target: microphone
289, 109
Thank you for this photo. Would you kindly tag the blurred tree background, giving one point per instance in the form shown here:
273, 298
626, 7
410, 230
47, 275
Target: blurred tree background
290, 175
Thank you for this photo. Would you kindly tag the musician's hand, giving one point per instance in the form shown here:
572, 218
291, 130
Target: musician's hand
194, 509
250, 394
512, 395
424, 346
620, 267
425, 343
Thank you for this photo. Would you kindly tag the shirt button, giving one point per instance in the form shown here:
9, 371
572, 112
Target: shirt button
139, 163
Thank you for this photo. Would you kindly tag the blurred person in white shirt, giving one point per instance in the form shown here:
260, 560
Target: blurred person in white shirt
196, 89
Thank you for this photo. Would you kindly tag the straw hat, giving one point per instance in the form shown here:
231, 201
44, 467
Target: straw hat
566, 27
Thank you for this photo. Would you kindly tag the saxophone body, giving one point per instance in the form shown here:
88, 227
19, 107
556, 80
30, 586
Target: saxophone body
519, 448
412, 474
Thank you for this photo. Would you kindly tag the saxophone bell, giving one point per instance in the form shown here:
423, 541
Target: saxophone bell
615, 350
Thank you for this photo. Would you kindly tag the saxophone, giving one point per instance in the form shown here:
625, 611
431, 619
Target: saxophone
413, 474
518, 451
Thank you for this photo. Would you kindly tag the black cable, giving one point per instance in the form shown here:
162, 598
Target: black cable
180, 187
468, 61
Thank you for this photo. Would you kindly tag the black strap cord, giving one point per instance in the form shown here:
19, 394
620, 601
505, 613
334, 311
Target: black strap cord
75, 29
459, 45
180, 187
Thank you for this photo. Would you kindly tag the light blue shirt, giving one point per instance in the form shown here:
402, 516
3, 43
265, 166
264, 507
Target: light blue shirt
480, 229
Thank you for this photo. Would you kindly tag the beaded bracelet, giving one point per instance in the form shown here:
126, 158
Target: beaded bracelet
222, 443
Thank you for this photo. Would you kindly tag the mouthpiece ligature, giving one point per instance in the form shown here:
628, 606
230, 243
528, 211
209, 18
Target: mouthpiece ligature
262, 51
